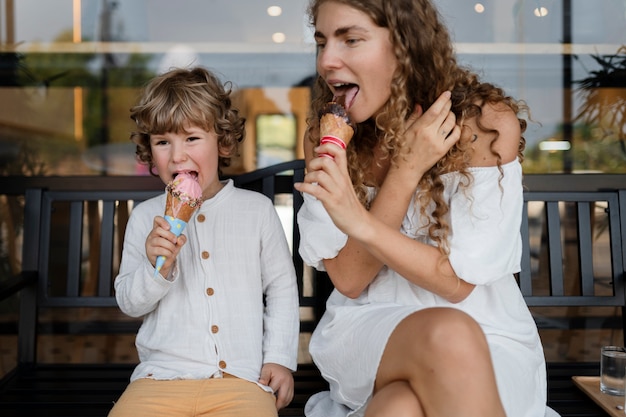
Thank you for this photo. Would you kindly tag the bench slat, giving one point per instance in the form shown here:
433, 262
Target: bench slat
74, 253
556, 251
107, 233
585, 248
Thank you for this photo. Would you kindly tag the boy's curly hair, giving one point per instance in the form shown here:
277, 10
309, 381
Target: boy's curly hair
427, 67
181, 98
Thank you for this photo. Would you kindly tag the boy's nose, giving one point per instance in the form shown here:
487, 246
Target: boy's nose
178, 154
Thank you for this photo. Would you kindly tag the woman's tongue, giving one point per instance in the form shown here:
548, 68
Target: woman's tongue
345, 95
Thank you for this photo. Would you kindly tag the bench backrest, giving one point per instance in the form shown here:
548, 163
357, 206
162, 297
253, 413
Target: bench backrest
73, 242
567, 229
63, 230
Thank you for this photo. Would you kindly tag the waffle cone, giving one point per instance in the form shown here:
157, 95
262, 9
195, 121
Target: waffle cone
178, 209
336, 126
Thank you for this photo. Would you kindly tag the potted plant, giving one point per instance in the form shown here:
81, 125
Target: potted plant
603, 95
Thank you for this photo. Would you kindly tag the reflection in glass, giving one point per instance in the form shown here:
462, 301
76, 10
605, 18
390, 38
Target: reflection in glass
275, 138
70, 70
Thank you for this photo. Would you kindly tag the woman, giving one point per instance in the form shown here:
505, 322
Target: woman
417, 224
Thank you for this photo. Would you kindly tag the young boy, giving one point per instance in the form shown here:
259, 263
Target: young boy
220, 318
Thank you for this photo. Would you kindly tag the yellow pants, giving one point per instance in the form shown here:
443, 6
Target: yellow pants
215, 397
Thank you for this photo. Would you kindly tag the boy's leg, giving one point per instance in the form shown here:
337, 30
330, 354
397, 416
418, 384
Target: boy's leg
235, 397
216, 397
147, 397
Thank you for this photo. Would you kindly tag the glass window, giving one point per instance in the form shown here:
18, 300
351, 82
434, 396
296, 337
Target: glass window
276, 138
72, 68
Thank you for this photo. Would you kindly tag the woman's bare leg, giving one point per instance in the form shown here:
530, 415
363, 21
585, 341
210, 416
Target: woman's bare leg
442, 355
395, 399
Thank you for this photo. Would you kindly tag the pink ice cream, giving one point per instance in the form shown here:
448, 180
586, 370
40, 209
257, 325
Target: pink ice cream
184, 196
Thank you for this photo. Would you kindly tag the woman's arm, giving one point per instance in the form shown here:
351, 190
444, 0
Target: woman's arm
354, 267
419, 263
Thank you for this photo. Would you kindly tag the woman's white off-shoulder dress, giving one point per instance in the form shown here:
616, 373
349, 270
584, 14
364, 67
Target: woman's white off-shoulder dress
485, 250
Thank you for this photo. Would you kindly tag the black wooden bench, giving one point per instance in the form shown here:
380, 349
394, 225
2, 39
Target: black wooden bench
73, 230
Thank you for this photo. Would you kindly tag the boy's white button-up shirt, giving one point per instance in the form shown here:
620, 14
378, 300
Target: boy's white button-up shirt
231, 302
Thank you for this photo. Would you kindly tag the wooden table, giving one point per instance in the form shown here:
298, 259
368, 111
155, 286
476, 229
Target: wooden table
590, 385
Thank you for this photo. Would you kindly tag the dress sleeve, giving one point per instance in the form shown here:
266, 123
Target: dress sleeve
319, 237
485, 221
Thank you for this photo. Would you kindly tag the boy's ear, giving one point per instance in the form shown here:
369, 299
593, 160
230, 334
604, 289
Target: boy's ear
227, 145
223, 151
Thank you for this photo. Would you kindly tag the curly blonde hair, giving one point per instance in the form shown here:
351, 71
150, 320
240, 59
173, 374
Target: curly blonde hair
426, 67
180, 98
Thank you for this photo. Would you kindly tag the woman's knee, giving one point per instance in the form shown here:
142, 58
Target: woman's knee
443, 330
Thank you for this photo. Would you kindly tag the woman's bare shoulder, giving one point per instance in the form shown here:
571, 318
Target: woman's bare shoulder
484, 142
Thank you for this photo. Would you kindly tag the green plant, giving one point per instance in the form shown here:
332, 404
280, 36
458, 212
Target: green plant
603, 95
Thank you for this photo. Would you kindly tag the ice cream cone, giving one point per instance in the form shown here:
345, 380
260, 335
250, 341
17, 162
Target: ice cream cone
184, 196
179, 209
335, 126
